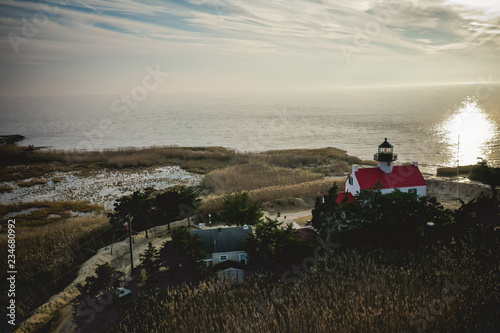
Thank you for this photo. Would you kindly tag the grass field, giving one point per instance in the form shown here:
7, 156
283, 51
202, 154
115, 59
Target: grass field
195, 159
445, 288
47, 257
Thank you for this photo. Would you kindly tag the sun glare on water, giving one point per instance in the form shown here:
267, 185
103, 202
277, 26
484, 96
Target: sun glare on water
472, 126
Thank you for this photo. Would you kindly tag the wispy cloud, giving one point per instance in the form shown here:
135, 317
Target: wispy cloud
250, 37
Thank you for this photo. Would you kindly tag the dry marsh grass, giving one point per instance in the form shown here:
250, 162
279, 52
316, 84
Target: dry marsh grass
6, 189
254, 175
39, 213
212, 203
196, 159
353, 291
47, 257
32, 182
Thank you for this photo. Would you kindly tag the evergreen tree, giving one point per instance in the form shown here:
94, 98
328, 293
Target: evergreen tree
183, 256
238, 209
488, 175
379, 219
150, 261
273, 246
173, 204
140, 207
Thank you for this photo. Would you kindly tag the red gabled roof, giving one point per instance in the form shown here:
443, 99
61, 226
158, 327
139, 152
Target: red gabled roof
401, 176
341, 196
307, 234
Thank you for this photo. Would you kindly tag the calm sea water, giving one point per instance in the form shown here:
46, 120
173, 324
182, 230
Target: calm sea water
423, 123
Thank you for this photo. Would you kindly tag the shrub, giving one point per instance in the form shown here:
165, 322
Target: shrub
237, 208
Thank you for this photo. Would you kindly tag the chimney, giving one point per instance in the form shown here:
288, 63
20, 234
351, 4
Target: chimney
354, 168
414, 163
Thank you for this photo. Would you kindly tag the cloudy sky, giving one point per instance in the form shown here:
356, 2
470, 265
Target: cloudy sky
104, 47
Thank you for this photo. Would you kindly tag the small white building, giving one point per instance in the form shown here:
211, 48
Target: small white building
406, 178
232, 275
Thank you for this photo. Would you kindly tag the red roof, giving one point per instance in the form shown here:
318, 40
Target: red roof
341, 196
307, 234
401, 176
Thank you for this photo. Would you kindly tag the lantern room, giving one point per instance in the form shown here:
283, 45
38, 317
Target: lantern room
385, 153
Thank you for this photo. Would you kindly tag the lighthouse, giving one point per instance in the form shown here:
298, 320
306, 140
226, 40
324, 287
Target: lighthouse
385, 156
386, 177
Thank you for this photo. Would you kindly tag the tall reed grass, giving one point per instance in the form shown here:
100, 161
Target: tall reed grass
47, 257
353, 291
212, 203
196, 159
39, 213
254, 175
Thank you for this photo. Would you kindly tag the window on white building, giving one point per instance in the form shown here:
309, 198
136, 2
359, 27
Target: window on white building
412, 190
243, 258
223, 257
351, 181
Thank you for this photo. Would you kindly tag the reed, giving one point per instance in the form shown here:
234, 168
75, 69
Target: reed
353, 291
196, 159
40, 213
47, 257
212, 203
254, 175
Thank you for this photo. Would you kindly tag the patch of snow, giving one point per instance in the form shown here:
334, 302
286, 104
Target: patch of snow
103, 187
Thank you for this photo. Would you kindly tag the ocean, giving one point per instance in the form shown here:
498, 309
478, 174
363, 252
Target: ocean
424, 123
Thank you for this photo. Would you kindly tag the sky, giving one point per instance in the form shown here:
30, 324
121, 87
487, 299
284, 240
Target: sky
98, 47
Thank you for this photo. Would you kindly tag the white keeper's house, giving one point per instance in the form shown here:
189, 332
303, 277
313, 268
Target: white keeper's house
406, 178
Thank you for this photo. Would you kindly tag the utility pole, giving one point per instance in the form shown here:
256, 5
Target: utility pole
130, 240
458, 164
113, 242
210, 228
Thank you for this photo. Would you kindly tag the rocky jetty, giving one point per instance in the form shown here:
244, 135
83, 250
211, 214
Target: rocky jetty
10, 139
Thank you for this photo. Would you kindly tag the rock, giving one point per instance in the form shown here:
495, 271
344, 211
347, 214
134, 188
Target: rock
10, 139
